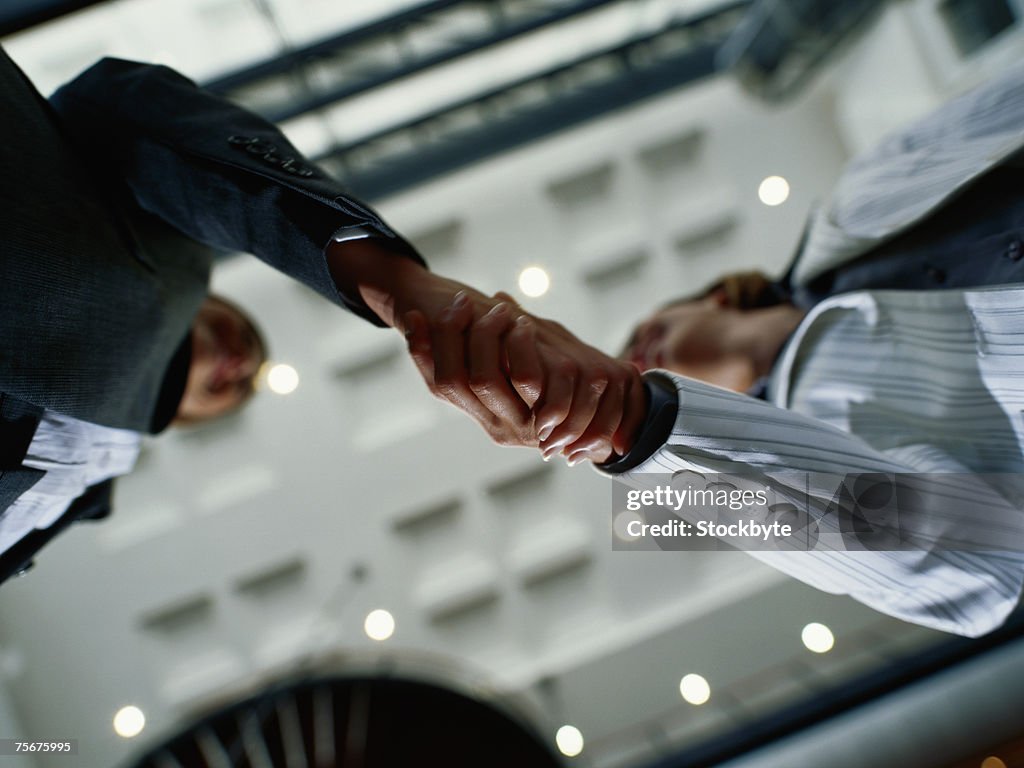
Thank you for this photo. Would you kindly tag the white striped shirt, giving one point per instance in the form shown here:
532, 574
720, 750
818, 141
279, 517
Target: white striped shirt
75, 455
889, 381
912, 172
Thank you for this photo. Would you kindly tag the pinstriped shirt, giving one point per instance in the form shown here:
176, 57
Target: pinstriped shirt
891, 381
75, 455
888, 382
912, 172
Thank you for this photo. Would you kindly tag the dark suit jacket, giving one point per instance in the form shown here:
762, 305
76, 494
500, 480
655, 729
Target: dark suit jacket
112, 199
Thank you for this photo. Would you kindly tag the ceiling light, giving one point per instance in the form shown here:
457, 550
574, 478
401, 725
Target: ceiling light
774, 190
695, 689
534, 282
379, 624
817, 637
992, 762
569, 740
129, 721
621, 525
282, 379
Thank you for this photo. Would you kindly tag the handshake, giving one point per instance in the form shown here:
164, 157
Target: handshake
525, 380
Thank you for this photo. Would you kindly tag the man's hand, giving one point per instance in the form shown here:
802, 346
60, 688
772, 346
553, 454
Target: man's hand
569, 398
526, 381
397, 288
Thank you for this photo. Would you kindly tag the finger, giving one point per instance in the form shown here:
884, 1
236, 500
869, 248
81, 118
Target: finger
487, 377
524, 367
417, 339
635, 408
448, 343
585, 400
502, 296
595, 443
556, 397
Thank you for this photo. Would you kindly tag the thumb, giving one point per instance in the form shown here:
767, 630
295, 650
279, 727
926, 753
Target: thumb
417, 339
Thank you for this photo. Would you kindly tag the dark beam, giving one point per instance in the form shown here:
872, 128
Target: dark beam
303, 57
640, 78
16, 15
419, 166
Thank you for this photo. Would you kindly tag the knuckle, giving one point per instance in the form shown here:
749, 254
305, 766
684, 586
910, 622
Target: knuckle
448, 322
480, 384
526, 380
564, 369
448, 386
598, 384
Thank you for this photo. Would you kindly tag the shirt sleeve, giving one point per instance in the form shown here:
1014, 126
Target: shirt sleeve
719, 431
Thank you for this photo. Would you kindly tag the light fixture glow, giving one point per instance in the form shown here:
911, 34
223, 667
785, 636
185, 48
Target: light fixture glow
774, 190
379, 624
282, 379
569, 740
817, 637
534, 282
992, 762
129, 721
694, 689
621, 525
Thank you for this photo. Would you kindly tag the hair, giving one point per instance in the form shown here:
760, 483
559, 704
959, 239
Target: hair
748, 290
737, 290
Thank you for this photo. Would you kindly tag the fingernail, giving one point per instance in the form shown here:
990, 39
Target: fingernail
461, 299
558, 445
545, 432
499, 309
576, 458
523, 321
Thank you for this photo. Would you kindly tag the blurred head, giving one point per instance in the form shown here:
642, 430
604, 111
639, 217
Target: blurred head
728, 336
227, 353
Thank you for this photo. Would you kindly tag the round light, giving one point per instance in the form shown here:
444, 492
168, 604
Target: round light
534, 281
774, 190
695, 689
992, 762
621, 525
129, 721
569, 740
817, 637
379, 624
282, 379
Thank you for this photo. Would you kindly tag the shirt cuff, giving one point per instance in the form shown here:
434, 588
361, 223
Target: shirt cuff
662, 409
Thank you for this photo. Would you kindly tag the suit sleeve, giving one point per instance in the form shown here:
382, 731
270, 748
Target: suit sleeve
216, 172
716, 431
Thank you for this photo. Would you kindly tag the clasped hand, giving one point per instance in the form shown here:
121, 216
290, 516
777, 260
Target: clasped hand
526, 380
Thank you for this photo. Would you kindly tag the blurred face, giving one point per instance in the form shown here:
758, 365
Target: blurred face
699, 339
226, 355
